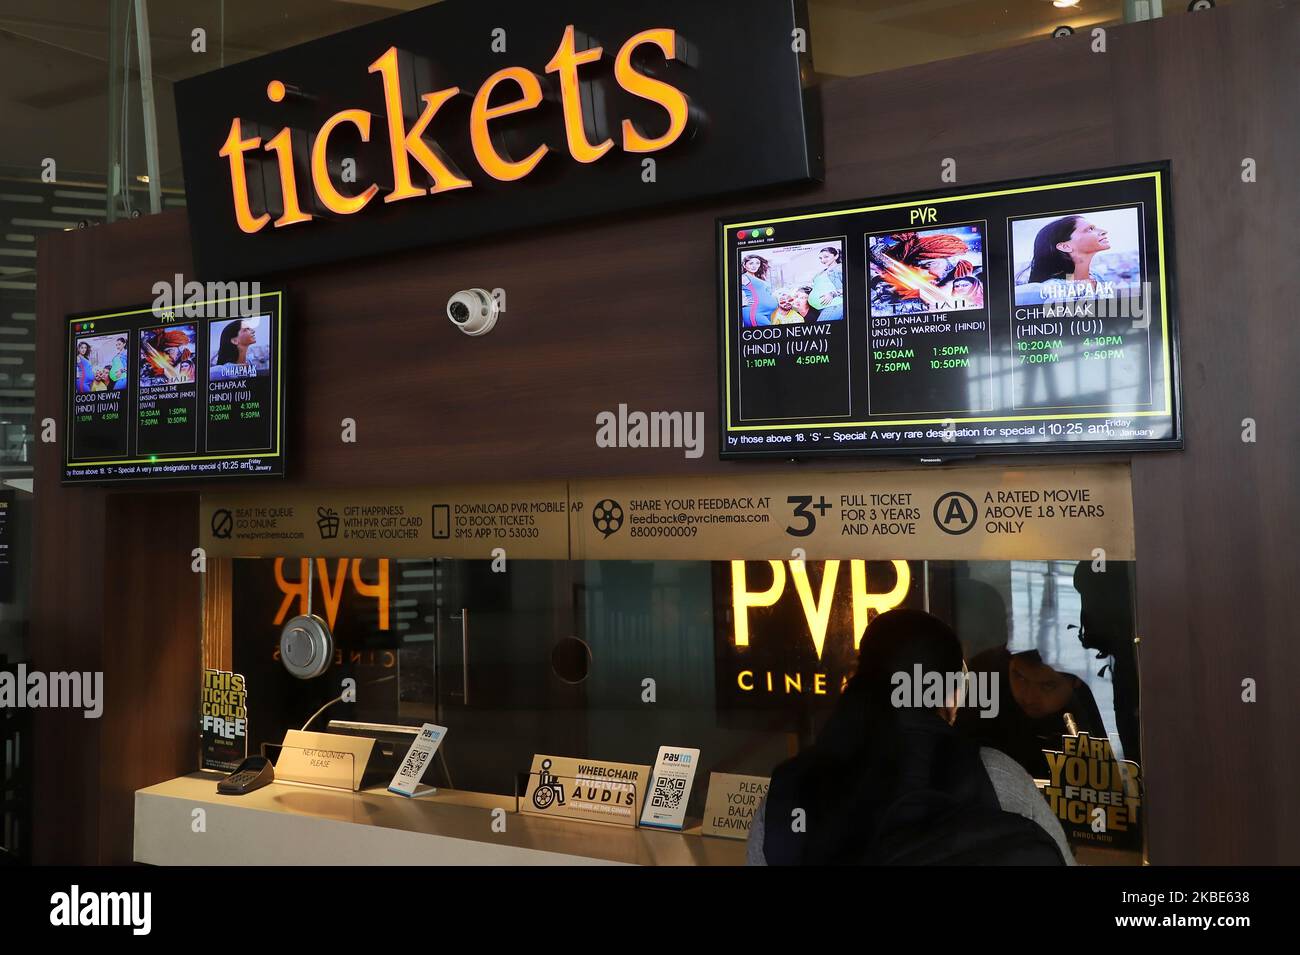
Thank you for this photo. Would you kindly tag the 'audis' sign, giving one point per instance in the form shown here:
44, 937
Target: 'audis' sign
460, 120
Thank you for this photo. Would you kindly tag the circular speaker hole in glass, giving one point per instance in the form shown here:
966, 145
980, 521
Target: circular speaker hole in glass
571, 660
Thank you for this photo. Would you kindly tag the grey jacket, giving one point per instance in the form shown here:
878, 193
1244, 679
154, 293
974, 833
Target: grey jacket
1016, 793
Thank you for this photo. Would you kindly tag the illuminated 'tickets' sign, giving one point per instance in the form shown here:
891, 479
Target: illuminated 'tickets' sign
410, 141
461, 119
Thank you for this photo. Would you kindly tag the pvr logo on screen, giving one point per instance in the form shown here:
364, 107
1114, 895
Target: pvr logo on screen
817, 612
409, 141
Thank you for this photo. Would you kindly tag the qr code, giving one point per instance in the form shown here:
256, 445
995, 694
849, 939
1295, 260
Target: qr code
414, 765
668, 792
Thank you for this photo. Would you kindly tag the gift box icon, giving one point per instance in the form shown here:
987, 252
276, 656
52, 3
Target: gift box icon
328, 523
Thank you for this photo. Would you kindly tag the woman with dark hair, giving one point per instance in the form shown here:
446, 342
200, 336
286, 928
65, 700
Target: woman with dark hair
1064, 250
896, 784
828, 286
236, 337
85, 370
118, 369
757, 300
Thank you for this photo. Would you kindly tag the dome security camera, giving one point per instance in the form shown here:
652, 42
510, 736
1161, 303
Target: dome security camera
474, 311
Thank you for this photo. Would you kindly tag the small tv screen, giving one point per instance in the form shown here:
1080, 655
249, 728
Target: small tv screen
1031, 315
194, 390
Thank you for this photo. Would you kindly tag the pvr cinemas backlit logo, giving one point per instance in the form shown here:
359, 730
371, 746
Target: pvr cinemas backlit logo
410, 141
817, 612
332, 585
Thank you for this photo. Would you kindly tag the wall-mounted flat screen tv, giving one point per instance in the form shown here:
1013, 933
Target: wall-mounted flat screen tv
193, 390
1032, 315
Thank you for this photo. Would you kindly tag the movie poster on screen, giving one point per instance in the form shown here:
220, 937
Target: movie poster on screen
223, 720
1097, 796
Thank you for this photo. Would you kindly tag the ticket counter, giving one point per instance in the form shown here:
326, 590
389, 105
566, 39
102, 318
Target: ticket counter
618, 313
609, 658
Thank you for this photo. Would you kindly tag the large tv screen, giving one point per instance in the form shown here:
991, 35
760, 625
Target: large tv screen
1031, 315
193, 390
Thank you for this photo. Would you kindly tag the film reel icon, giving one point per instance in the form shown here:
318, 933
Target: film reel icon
607, 516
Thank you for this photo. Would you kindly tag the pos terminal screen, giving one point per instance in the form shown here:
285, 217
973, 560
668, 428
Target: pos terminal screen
1028, 315
193, 390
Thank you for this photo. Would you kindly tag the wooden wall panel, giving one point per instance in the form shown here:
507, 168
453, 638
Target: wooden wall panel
113, 590
1217, 525
622, 311
218, 651
151, 655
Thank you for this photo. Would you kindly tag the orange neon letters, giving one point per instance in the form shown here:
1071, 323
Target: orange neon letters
234, 149
413, 143
669, 97
330, 197
282, 145
407, 144
493, 163
566, 62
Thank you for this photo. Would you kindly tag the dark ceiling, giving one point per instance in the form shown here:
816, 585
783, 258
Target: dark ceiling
54, 57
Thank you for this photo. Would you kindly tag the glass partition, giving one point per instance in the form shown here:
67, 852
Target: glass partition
744, 660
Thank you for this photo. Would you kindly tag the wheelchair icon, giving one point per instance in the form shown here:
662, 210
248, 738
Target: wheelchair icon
548, 788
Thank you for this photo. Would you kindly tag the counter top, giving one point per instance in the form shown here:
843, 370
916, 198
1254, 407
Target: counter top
289, 824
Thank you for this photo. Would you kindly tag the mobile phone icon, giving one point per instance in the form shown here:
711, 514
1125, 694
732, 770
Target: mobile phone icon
441, 522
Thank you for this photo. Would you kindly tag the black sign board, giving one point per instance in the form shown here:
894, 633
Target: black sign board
464, 119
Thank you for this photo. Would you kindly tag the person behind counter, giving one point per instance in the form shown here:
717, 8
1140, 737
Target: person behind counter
1106, 625
895, 785
1041, 698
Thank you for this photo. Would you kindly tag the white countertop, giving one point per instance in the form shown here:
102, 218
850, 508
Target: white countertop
288, 824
